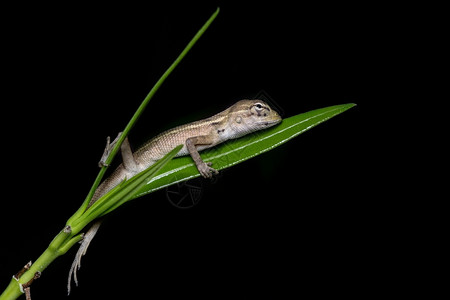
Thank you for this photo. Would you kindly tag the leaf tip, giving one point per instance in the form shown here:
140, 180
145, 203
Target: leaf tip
347, 106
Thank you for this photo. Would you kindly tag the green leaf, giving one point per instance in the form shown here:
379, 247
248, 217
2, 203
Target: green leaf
122, 193
236, 151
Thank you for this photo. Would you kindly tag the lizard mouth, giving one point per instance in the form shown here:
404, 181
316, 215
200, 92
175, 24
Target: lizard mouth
269, 123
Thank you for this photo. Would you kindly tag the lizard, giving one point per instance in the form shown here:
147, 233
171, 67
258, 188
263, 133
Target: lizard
243, 117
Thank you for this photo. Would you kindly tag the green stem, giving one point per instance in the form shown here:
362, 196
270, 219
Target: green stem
139, 112
158, 84
60, 244
65, 240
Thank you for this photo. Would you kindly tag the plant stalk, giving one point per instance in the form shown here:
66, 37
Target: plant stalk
64, 240
60, 244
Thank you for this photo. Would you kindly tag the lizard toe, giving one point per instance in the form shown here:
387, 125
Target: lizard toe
206, 171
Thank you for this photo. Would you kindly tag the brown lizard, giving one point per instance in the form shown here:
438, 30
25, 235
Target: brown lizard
243, 117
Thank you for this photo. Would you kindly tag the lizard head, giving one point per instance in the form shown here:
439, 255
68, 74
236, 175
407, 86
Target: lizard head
252, 115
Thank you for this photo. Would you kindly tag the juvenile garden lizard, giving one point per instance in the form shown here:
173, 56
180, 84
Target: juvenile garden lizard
243, 117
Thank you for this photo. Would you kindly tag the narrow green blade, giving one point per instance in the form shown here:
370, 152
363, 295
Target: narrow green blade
122, 193
236, 151
138, 113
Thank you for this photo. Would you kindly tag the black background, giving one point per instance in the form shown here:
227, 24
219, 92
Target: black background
303, 218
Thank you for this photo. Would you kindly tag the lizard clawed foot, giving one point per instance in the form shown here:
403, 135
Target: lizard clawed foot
206, 170
107, 151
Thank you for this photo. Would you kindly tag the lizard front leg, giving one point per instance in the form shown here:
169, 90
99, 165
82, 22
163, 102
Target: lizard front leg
191, 144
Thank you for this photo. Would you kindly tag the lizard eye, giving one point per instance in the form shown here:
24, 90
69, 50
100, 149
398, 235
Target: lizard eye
258, 109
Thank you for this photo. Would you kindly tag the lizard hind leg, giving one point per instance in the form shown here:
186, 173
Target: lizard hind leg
205, 169
76, 265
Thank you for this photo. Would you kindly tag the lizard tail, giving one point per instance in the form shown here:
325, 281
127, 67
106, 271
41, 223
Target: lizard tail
76, 265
